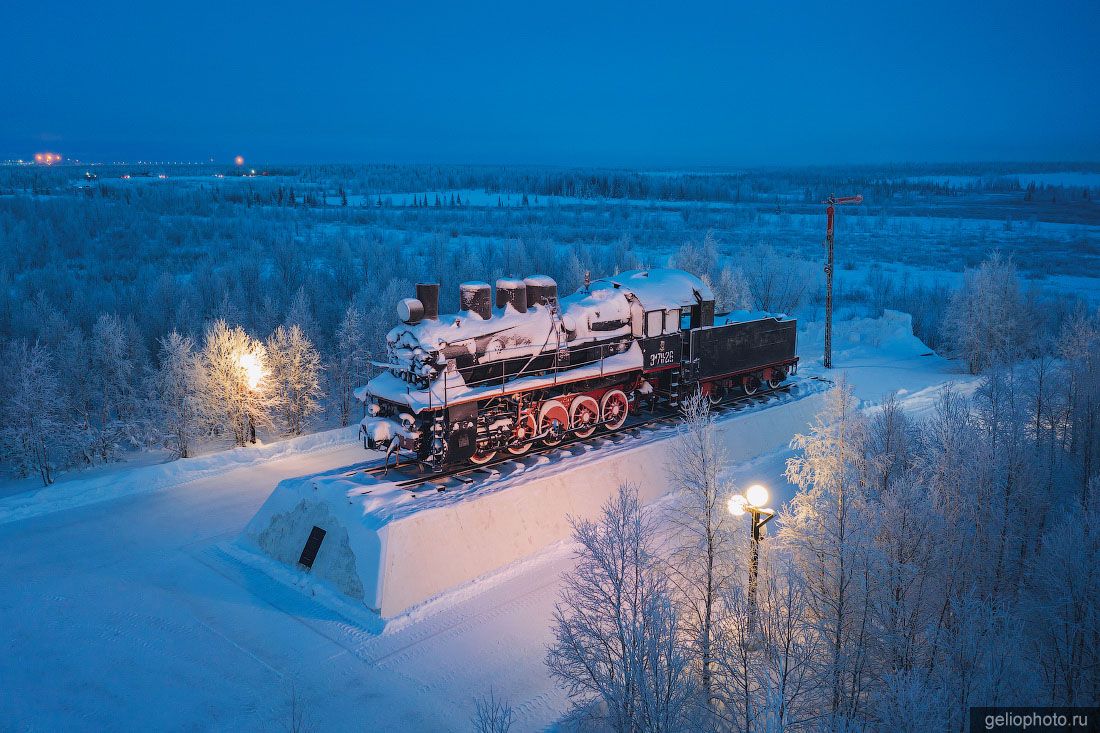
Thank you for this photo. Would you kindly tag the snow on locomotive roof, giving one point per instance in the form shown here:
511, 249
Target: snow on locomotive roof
660, 288
746, 316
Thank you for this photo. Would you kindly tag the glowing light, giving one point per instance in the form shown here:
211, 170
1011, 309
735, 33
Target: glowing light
736, 505
239, 160
253, 370
47, 158
756, 495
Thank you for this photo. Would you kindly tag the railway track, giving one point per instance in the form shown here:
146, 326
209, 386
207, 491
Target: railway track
417, 474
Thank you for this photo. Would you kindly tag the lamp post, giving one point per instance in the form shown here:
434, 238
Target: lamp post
752, 503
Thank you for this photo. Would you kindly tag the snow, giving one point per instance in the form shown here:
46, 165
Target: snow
452, 389
392, 549
142, 613
76, 490
660, 288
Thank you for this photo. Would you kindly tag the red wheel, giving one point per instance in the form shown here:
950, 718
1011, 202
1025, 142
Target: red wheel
553, 422
584, 415
751, 384
614, 409
716, 394
778, 375
522, 433
482, 457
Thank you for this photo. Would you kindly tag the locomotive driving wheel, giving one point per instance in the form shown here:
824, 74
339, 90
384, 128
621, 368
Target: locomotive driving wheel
553, 420
482, 456
614, 408
584, 415
522, 433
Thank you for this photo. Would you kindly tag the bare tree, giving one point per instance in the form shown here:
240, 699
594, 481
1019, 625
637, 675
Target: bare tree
700, 562
492, 715
614, 627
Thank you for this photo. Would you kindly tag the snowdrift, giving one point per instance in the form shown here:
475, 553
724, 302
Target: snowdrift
391, 549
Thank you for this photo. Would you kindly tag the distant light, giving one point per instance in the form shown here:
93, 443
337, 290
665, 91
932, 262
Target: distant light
239, 160
736, 505
757, 495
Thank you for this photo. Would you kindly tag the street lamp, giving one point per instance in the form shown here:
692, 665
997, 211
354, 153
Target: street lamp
752, 503
253, 373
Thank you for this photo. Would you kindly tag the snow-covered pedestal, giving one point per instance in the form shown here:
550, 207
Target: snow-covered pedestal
391, 549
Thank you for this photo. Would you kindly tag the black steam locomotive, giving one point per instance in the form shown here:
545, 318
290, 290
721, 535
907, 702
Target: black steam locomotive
536, 369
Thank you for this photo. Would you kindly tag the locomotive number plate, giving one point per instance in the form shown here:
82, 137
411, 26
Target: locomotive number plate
661, 352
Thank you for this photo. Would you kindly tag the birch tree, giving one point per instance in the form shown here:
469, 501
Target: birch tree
294, 374
615, 649
828, 535
352, 360
33, 431
179, 386
237, 394
701, 558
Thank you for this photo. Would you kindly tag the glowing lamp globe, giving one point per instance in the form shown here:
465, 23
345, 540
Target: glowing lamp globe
239, 160
757, 495
736, 505
253, 370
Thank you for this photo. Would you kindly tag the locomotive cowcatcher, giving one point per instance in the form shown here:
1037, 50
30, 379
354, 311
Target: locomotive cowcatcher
531, 369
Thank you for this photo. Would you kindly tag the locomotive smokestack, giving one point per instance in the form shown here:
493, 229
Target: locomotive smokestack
476, 297
428, 295
512, 292
541, 290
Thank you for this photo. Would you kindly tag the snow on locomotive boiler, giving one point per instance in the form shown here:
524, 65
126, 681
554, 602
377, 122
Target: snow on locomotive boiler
535, 369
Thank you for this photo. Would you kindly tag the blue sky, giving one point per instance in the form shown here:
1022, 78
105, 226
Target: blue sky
634, 84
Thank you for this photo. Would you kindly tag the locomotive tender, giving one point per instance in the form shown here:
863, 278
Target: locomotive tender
537, 369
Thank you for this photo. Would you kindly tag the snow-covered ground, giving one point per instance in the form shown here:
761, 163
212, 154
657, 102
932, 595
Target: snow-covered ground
131, 613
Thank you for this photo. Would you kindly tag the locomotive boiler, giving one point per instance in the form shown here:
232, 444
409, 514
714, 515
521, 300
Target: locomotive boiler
518, 367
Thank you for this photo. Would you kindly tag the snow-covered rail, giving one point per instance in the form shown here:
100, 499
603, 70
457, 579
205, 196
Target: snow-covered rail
392, 548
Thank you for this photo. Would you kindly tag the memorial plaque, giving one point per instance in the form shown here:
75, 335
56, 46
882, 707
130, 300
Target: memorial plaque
313, 544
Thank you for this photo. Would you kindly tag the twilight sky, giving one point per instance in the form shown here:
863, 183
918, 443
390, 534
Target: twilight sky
635, 84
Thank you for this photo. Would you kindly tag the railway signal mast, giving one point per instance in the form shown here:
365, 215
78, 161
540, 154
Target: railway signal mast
832, 202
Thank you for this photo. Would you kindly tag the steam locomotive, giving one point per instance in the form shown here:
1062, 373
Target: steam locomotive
535, 369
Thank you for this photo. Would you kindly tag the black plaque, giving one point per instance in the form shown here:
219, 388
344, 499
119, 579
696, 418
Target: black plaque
313, 544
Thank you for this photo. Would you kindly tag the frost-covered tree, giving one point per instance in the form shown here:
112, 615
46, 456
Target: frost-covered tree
179, 385
294, 373
985, 319
1064, 594
828, 533
238, 393
33, 430
116, 370
352, 359
731, 290
777, 284
701, 559
615, 649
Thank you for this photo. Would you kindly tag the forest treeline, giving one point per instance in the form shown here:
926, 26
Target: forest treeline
97, 279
